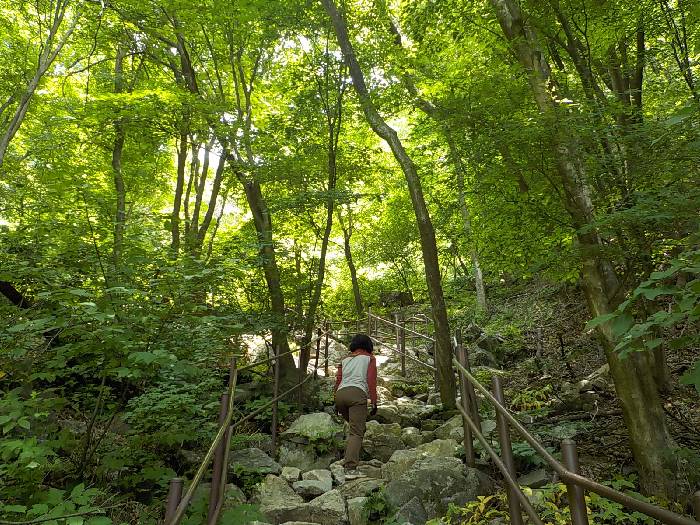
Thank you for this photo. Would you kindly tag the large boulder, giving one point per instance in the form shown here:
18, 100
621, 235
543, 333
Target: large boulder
411, 437
437, 482
314, 483
311, 442
328, 509
388, 413
304, 457
452, 429
313, 427
382, 440
410, 411
399, 462
439, 448
356, 511
253, 460
309, 489
290, 474
402, 461
360, 487
412, 512
278, 501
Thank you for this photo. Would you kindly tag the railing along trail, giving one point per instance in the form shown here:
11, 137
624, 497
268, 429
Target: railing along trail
218, 452
518, 502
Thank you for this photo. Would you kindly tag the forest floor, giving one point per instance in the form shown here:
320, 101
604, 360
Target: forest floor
570, 353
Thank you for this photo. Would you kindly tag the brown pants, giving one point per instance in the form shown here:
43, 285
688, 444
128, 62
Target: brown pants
351, 402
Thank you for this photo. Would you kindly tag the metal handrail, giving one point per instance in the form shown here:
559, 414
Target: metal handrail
506, 475
572, 479
426, 365
185, 501
417, 334
664, 515
225, 429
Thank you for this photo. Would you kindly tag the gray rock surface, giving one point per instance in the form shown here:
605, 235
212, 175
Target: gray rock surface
356, 511
278, 501
382, 440
360, 487
290, 474
310, 488
535, 479
338, 472
314, 426
452, 429
411, 437
321, 475
297, 442
402, 460
412, 511
328, 509
314, 483
303, 457
436, 482
255, 460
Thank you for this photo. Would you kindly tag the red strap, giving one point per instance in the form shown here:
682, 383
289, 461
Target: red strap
338, 377
372, 379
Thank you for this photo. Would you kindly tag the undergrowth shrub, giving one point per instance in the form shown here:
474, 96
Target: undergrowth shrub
551, 504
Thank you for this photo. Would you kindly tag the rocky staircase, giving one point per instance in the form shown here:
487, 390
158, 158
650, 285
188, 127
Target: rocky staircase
412, 461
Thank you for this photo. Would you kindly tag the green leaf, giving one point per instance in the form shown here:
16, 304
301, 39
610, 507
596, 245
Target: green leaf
20, 509
597, 321
653, 343
621, 324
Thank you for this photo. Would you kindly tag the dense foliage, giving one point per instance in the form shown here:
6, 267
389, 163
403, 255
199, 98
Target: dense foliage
176, 176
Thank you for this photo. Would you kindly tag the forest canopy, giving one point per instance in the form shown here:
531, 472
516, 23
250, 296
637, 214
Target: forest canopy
177, 176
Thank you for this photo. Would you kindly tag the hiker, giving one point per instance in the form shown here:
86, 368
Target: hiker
356, 380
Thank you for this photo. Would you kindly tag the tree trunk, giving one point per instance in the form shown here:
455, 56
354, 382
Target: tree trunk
179, 187
117, 149
347, 233
467, 224
209, 215
263, 227
310, 320
633, 377
443, 353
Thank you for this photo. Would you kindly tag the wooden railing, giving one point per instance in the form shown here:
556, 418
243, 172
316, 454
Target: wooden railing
518, 502
217, 454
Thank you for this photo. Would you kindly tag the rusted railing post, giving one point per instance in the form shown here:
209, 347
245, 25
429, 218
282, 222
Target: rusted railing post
466, 402
577, 499
275, 393
516, 517
218, 460
401, 341
325, 350
471, 393
219, 466
174, 496
302, 372
318, 350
